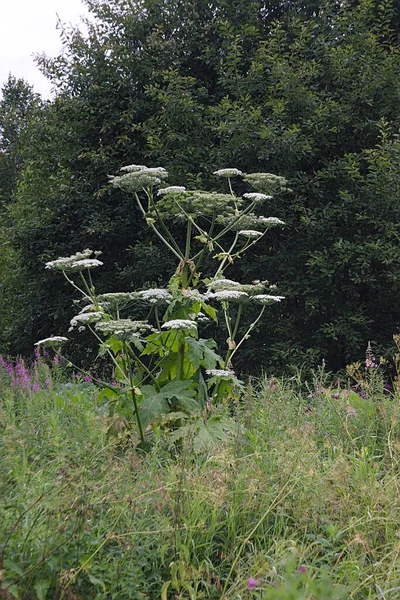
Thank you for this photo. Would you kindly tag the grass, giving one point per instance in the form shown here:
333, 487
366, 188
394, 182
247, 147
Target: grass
302, 502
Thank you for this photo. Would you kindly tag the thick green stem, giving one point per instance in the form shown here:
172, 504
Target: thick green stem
188, 239
158, 234
84, 294
228, 255
85, 283
246, 335
144, 367
157, 318
234, 333
204, 249
227, 318
133, 394
235, 221
163, 225
110, 354
181, 358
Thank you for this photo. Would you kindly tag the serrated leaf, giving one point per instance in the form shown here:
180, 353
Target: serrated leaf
195, 352
215, 429
152, 406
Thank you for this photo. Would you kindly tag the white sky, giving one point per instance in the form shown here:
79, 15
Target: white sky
28, 27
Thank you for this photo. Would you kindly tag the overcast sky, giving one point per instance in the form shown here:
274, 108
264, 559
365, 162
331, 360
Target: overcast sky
28, 27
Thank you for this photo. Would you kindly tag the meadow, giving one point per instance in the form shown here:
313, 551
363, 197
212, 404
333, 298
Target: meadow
300, 501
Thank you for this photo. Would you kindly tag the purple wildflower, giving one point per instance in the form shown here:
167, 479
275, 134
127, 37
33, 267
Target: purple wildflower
350, 411
88, 379
252, 583
302, 569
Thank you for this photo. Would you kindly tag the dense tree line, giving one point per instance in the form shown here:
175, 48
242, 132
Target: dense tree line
308, 90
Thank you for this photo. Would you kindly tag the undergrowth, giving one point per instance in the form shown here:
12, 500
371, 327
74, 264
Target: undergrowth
301, 503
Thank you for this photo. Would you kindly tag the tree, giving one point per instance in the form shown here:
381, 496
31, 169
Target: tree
308, 90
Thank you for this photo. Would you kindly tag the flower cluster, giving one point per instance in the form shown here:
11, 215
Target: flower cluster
195, 203
267, 183
180, 324
228, 173
224, 374
75, 262
124, 329
266, 299
229, 296
248, 221
222, 284
256, 197
114, 300
139, 177
172, 189
250, 233
53, 342
155, 296
84, 318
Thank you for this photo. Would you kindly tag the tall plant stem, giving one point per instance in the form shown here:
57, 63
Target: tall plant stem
85, 283
181, 357
203, 250
235, 221
227, 318
246, 335
234, 333
162, 223
84, 294
110, 354
188, 239
157, 318
133, 394
143, 366
158, 234
228, 255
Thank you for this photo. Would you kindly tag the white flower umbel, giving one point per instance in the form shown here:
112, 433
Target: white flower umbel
132, 168
222, 284
256, 197
116, 297
202, 318
124, 329
267, 299
180, 324
172, 189
228, 173
250, 233
193, 295
270, 221
65, 263
85, 318
54, 341
86, 263
155, 295
220, 373
229, 296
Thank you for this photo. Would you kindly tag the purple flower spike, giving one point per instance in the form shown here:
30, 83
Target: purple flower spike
252, 583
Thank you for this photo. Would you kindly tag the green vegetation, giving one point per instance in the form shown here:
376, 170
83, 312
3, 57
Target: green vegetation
302, 500
308, 90
163, 373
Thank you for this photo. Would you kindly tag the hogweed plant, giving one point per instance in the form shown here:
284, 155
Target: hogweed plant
165, 373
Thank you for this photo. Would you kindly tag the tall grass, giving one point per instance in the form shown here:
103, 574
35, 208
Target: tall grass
301, 503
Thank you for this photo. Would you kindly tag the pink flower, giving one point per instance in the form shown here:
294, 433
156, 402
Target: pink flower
302, 569
252, 583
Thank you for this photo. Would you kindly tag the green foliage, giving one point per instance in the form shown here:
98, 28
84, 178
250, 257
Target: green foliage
159, 363
301, 500
305, 89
